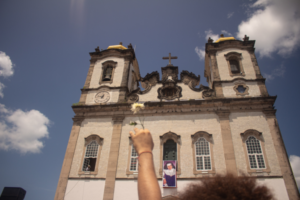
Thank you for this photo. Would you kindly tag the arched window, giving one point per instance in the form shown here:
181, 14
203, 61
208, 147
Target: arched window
133, 160
256, 158
255, 153
170, 144
108, 69
170, 150
202, 143
203, 159
234, 61
90, 157
234, 66
107, 74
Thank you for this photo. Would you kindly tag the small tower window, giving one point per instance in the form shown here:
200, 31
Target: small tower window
234, 66
90, 156
107, 73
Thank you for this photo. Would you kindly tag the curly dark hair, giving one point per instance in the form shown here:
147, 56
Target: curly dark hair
226, 187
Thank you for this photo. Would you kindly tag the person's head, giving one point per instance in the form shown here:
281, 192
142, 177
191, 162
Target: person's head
226, 187
169, 166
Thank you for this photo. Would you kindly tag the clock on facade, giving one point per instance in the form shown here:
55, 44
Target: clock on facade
102, 97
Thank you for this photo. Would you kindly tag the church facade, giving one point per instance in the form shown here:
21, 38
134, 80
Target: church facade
228, 126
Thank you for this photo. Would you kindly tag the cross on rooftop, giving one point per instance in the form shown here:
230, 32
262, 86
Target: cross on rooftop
174, 57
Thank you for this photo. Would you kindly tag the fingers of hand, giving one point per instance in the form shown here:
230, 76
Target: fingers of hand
131, 134
136, 130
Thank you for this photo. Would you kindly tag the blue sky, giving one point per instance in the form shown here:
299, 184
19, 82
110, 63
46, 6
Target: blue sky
44, 60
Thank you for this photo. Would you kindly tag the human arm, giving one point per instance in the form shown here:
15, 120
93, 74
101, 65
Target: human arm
148, 187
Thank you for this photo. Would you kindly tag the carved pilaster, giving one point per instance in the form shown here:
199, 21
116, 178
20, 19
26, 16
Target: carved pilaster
215, 68
255, 65
218, 89
90, 73
230, 160
286, 170
65, 170
118, 118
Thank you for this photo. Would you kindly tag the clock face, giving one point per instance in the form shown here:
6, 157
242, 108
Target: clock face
102, 97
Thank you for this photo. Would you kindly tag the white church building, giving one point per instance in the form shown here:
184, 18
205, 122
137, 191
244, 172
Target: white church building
228, 126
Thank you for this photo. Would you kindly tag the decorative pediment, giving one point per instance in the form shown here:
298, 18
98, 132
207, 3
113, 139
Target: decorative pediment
250, 132
204, 134
169, 73
169, 135
170, 90
187, 77
90, 138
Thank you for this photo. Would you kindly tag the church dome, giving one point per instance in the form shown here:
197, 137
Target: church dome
222, 38
120, 46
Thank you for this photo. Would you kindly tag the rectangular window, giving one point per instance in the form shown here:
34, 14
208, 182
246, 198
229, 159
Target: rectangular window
90, 157
255, 154
133, 160
203, 161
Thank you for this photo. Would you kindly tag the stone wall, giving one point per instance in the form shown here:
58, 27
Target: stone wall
101, 127
239, 123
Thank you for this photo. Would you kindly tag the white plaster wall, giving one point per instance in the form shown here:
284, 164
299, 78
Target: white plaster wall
253, 91
223, 66
101, 127
127, 189
183, 125
118, 73
84, 189
277, 187
90, 98
151, 95
242, 121
187, 93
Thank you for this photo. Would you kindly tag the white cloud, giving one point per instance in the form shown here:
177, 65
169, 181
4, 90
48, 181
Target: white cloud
230, 15
274, 25
226, 32
23, 131
6, 66
6, 69
295, 163
209, 34
200, 53
277, 72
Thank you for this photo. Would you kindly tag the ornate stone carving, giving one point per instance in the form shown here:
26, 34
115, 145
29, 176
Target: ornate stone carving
133, 98
204, 134
249, 132
148, 82
192, 81
169, 135
208, 93
170, 90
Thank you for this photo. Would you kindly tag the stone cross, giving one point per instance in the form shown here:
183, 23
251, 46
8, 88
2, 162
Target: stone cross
174, 57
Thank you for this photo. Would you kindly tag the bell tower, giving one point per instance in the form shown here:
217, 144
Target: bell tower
231, 68
113, 73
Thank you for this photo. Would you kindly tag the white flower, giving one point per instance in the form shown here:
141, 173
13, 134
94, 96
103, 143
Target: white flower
136, 107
